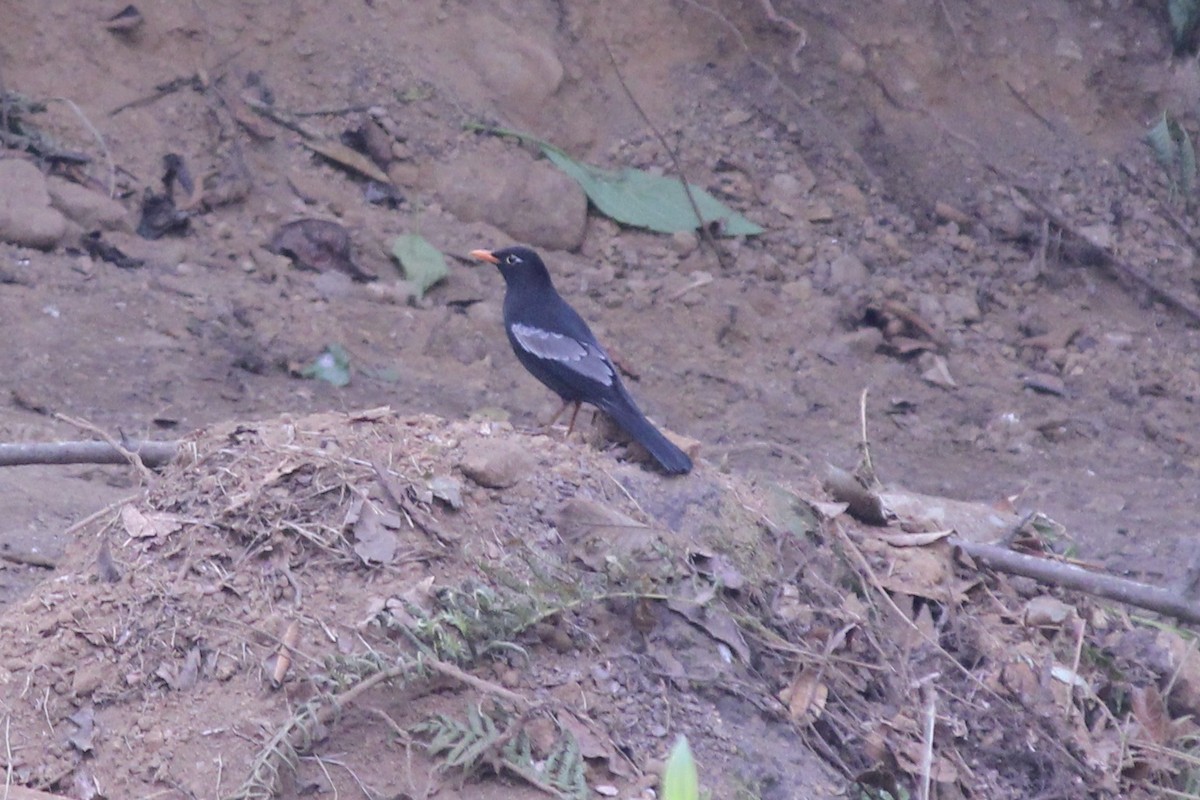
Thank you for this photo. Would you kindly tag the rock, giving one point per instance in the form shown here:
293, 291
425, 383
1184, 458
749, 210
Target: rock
518, 67
864, 342
852, 62
91, 210
684, 242
530, 200
784, 194
496, 463
165, 253
87, 679
961, 308
1099, 235
847, 270
26, 216
817, 211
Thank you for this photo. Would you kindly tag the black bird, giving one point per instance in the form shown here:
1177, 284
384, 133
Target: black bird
558, 348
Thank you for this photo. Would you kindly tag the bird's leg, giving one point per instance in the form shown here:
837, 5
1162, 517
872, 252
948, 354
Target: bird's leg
558, 413
574, 414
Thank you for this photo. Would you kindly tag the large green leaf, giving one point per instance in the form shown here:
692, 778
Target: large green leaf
643, 200
423, 264
680, 779
332, 366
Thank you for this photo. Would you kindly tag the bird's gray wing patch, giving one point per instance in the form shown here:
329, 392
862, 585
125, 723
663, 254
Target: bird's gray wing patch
585, 359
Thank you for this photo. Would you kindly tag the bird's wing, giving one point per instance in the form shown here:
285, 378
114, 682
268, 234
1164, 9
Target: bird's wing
586, 359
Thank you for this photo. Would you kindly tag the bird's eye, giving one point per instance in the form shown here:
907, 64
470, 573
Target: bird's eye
511, 259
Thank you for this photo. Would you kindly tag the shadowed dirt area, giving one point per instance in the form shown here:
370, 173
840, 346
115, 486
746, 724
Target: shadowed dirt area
961, 216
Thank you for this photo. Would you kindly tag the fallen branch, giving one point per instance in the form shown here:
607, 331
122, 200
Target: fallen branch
1069, 576
1104, 255
152, 453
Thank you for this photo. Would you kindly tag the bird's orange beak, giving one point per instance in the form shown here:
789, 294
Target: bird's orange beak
485, 255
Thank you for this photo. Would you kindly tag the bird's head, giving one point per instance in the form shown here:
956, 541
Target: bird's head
516, 263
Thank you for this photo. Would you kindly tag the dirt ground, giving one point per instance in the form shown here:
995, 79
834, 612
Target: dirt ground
962, 218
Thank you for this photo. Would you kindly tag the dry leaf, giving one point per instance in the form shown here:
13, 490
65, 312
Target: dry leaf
1150, 710
374, 541
806, 697
939, 374
349, 158
144, 526
914, 539
1047, 611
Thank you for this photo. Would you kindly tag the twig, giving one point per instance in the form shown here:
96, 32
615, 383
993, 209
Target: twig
1068, 576
790, 25
28, 558
1028, 107
112, 165
958, 48
1163, 208
130, 456
420, 518
927, 748
1081, 628
481, 684
90, 518
160, 91
151, 453
705, 234
703, 279
1106, 255
864, 445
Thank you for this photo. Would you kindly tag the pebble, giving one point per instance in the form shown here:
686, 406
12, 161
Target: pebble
847, 270
26, 216
496, 464
530, 200
684, 242
961, 308
91, 210
521, 74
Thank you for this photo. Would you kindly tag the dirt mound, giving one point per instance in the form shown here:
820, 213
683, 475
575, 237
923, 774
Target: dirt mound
310, 603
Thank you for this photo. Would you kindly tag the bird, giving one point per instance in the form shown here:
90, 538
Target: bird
558, 348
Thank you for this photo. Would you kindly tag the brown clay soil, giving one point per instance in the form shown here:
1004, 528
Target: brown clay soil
962, 218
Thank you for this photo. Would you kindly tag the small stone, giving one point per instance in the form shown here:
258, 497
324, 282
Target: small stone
26, 216
532, 201
847, 270
88, 678
863, 342
852, 62
736, 117
800, 290
961, 308
91, 210
1098, 235
684, 242
496, 463
818, 211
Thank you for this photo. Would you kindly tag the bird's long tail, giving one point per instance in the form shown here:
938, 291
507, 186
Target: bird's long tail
629, 419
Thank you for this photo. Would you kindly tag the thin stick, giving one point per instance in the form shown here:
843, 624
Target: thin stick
1069, 576
927, 748
152, 453
701, 226
1108, 257
481, 684
1081, 625
864, 444
112, 165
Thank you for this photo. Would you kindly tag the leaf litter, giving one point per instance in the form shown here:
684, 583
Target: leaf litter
254, 536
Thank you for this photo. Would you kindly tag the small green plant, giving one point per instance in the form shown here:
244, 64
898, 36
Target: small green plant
1185, 15
497, 739
680, 778
1175, 154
